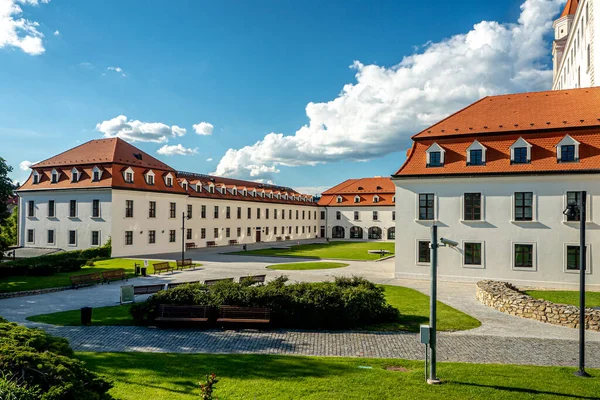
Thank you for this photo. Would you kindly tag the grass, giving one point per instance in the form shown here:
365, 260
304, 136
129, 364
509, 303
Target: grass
19, 283
175, 377
307, 265
592, 299
331, 251
413, 306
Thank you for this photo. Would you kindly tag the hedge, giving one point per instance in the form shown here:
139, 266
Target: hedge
50, 264
344, 303
35, 365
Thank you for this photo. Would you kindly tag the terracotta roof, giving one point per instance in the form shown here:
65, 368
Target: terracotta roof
102, 151
365, 188
522, 112
570, 8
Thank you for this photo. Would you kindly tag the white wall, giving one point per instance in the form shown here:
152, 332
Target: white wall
549, 232
384, 220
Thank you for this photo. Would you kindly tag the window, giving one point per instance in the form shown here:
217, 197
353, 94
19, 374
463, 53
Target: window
391, 233
216, 212
356, 232
30, 235
322, 214
96, 208
95, 238
96, 176
523, 256
172, 210
524, 206
74, 176
258, 213
54, 177
356, 215
152, 209
31, 208
435, 159
567, 150
573, 256
314, 215
338, 215
472, 253
574, 197
424, 253
275, 213
203, 212
169, 182
266, 213
290, 230
151, 237
303, 214
520, 155
426, 206
50, 236
128, 208
128, 177
282, 214
202, 233
339, 199
393, 215
189, 211
337, 232
297, 213
248, 231
227, 232
357, 199
375, 215
567, 153
290, 214
228, 212
188, 234
172, 236
267, 231
375, 199
36, 178
185, 186
72, 238
239, 232
472, 210
216, 233
150, 179
51, 209
239, 213
296, 230
476, 157
73, 208
249, 213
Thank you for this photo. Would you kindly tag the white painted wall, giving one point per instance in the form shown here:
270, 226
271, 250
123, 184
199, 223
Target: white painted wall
549, 231
384, 220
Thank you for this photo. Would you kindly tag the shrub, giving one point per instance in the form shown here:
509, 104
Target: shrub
345, 303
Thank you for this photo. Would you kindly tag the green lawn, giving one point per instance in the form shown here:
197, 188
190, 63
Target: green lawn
332, 251
592, 299
155, 376
111, 315
307, 265
19, 283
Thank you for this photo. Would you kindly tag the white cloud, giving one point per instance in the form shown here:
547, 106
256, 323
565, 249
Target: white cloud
118, 70
203, 128
25, 165
57, 33
209, 159
377, 114
19, 32
178, 149
138, 131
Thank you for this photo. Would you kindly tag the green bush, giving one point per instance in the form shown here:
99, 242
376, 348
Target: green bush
35, 365
345, 303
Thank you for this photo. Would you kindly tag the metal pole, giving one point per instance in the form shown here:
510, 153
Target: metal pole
433, 308
582, 258
182, 235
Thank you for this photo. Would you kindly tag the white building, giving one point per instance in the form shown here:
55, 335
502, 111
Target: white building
109, 188
496, 177
359, 209
574, 49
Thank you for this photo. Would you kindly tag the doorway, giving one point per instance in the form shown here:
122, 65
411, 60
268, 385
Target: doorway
258, 231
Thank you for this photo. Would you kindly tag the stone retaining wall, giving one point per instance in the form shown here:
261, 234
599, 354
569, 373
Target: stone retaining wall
33, 292
507, 298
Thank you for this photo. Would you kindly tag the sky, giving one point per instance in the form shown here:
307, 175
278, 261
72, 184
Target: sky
304, 93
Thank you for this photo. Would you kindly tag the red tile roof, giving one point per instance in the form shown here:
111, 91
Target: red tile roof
570, 8
365, 188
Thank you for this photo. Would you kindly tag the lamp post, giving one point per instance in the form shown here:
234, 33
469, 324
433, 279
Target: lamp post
571, 211
432, 380
183, 218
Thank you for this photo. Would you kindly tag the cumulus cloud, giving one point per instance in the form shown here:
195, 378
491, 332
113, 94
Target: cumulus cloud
203, 128
209, 159
25, 165
178, 149
19, 32
377, 114
118, 70
138, 131
57, 33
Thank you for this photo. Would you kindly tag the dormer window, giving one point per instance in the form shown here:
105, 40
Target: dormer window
253, 193
435, 156
74, 175
360, 188
128, 175
55, 174
245, 192
150, 177
476, 154
169, 180
567, 150
379, 188
96, 174
234, 191
337, 200
36, 177
520, 152
394, 199
211, 188
185, 186
375, 199
357, 199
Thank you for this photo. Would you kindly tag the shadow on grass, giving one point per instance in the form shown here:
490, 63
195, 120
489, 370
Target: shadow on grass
530, 392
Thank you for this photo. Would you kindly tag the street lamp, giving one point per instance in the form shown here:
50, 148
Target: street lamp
573, 208
183, 218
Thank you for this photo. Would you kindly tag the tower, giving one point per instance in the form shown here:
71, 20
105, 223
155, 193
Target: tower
562, 28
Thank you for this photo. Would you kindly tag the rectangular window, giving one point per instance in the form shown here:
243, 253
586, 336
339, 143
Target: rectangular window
573, 255
275, 231
216, 212
152, 209
54, 178
426, 206
189, 211
73, 208
303, 229
435, 159
95, 238
239, 232
172, 210
258, 213
266, 213
523, 257
424, 255
216, 233
31, 208
150, 180
290, 214
567, 153
524, 206
375, 215
239, 213
151, 237
172, 236
128, 177
296, 230
356, 214
289, 230
282, 214
96, 177
322, 214
51, 209
202, 233
249, 213
72, 238
128, 208
472, 253
227, 232
297, 213
228, 212
75, 177
520, 155
275, 213
476, 157
96, 208
248, 231
30, 236
574, 197
203, 212
188, 234
303, 214
50, 236
338, 215
472, 211
267, 230
393, 215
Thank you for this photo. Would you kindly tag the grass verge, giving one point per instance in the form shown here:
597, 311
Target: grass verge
592, 299
101, 316
332, 251
307, 265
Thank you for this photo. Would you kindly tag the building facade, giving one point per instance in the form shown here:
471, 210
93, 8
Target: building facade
359, 209
108, 188
496, 177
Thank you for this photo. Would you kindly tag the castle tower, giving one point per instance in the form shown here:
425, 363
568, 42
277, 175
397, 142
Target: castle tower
562, 28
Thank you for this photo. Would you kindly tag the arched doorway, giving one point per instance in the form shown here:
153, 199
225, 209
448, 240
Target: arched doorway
356, 232
338, 232
374, 232
391, 233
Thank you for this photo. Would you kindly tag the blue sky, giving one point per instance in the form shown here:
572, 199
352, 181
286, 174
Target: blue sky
249, 68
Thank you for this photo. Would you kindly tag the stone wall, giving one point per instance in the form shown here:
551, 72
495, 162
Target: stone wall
10, 295
507, 298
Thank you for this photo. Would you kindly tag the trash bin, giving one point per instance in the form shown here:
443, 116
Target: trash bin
144, 271
138, 269
86, 316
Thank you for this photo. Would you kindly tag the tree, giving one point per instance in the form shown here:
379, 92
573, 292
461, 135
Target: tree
8, 230
6, 188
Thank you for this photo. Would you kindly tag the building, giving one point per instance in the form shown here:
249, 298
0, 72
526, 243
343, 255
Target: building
359, 209
109, 188
496, 177
574, 49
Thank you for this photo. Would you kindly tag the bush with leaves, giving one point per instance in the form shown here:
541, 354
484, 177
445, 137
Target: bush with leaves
345, 303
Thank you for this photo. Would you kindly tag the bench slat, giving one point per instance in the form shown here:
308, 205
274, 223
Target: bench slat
259, 321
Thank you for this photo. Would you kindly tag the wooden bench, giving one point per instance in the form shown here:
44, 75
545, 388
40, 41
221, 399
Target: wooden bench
148, 289
86, 279
175, 284
278, 239
233, 242
190, 245
210, 282
169, 313
114, 274
186, 262
244, 315
161, 267
288, 238
211, 243
254, 278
